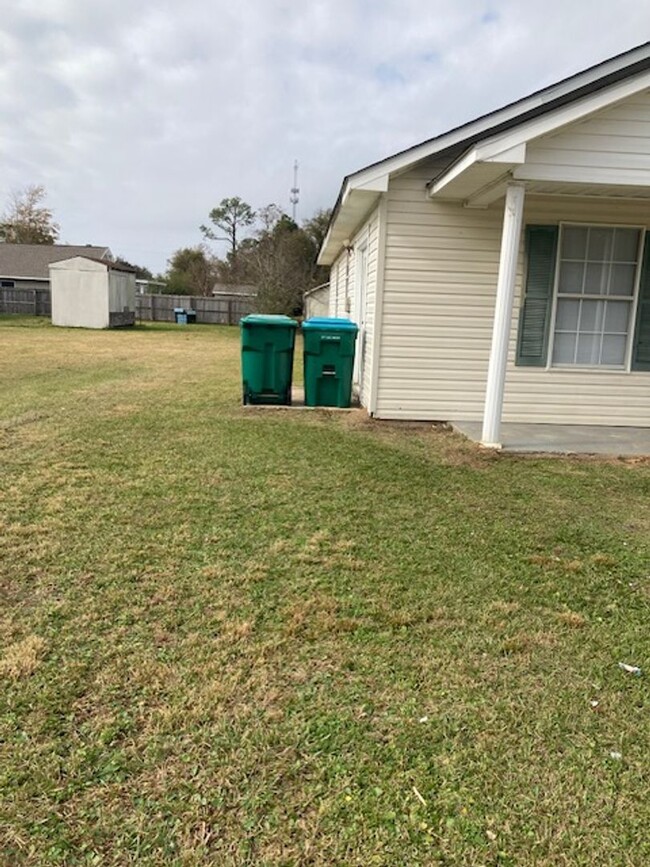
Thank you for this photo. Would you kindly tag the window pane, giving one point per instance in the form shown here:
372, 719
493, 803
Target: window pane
571, 277
566, 318
616, 317
588, 349
622, 280
600, 245
596, 279
613, 349
592, 316
564, 348
574, 242
626, 245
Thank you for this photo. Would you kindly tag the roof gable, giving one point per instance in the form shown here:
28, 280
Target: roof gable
613, 79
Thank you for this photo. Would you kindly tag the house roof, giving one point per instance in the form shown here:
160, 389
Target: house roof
32, 261
361, 189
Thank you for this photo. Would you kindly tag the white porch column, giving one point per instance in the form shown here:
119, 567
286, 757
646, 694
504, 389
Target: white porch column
512, 219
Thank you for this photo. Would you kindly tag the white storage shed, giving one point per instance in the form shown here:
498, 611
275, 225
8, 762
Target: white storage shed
92, 293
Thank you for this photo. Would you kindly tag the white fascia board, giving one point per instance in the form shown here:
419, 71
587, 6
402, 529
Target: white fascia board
510, 148
510, 157
401, 161
378, 184
359, 204
457, 169
515, 155
566, 115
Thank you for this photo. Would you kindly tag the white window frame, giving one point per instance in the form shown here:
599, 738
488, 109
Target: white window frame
634, 301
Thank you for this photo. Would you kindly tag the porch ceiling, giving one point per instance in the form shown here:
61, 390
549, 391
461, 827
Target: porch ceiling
483, 183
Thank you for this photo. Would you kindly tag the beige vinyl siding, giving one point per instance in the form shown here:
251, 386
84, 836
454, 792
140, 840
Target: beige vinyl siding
365, 341
612, 144
343, 296
342, 283
439, 290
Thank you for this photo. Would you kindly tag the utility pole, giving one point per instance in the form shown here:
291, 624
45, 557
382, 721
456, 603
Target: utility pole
294, 198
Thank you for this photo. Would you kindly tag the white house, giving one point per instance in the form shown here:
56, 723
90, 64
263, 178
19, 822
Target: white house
92, 293
502, 269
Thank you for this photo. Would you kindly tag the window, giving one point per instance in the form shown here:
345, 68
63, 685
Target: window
595, 295
7, 284
586, 300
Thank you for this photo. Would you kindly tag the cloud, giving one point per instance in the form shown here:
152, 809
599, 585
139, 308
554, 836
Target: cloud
140, 117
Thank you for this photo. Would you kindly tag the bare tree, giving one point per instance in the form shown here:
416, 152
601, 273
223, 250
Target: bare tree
26, 220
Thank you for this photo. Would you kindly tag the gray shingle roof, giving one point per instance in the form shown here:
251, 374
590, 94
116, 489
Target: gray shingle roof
33, 260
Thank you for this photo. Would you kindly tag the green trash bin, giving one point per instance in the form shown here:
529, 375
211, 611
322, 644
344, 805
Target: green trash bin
329, 361
267, 344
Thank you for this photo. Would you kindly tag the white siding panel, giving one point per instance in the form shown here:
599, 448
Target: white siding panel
438, 304
616, 138
343, 296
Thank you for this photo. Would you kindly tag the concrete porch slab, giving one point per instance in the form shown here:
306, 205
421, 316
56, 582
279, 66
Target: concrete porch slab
565, 438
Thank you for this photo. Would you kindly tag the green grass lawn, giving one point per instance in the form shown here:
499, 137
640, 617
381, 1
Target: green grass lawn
249, 637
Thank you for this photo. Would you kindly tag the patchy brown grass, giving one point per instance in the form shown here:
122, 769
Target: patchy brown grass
20, 659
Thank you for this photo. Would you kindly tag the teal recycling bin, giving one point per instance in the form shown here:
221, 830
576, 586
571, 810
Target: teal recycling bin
329, 361
267, 344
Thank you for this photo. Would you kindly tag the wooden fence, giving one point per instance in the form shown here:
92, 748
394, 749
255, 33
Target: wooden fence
217, 311
28, 302
225, 310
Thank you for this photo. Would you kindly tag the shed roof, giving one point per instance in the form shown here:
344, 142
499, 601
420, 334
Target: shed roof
106, 263
32, 261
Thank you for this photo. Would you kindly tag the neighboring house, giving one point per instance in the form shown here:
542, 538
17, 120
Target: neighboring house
235, 291
92, 293
317, 301
502, 270
149, 287
26, 266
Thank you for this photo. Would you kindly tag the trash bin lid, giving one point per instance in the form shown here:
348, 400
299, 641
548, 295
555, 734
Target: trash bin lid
327, 323
179, 310
269, 319
190, 310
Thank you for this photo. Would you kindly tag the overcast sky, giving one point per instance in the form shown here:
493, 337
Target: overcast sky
139, 116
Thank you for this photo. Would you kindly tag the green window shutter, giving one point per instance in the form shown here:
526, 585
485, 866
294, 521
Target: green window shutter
641, 346
535, 314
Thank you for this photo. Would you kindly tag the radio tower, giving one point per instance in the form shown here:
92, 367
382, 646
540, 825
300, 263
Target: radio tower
294, 198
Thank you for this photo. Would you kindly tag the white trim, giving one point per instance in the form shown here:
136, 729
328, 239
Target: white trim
513, 213
379, 305
582, 79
